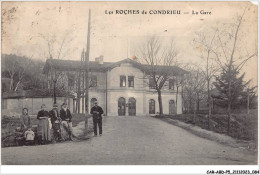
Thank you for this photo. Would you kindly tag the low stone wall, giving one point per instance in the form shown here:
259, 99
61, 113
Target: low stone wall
13, 107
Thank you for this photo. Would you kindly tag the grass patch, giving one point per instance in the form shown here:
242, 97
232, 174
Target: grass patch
242, 126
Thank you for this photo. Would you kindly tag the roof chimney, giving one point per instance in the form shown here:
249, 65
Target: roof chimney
100, 59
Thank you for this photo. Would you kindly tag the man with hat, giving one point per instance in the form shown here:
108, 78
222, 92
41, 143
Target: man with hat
97, 112
56, 121
66, 117
54, 113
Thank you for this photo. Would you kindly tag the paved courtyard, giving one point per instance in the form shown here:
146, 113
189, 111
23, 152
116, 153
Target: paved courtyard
132, 140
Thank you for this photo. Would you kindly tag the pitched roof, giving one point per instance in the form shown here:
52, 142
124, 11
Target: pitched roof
72, 65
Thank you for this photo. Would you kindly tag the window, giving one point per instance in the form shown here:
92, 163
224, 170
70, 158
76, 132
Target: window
151, 83
130, 81
122, 81
93, 81
171, 84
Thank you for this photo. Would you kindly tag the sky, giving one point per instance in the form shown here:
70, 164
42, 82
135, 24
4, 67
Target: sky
118, 36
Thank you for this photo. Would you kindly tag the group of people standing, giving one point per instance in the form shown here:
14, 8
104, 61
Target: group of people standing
56, 125
53, 125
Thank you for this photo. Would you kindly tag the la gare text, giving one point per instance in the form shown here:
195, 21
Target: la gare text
156, 12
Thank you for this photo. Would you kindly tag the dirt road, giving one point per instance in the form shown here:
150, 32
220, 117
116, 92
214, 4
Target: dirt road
133, 140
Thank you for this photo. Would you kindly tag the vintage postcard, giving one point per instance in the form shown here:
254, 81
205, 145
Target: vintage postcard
130, 83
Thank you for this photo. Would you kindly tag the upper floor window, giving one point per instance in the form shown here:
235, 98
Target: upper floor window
130, 81
93, 80
171, 84
151, 83
122, 81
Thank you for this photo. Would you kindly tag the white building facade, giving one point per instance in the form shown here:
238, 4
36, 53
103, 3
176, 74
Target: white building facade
122, 89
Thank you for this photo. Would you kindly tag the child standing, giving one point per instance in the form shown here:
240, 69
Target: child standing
29, 136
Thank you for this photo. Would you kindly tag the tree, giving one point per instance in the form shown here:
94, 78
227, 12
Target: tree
154, 54
194, 89
34, 78
231, 56
179, 80
237, 86
10, 65
205, 42
24, 73
249, 98
55, 47
15, 68
21, 70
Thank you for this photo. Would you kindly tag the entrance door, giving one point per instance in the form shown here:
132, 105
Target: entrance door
121, 106
172, 107
131, 106
151, 106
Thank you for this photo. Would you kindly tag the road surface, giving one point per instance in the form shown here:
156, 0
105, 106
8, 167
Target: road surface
132, 140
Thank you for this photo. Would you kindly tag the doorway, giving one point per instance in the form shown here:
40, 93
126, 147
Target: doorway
131, 107
121, 106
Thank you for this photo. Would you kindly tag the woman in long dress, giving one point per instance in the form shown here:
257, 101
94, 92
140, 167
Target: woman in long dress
43, 130
25, 120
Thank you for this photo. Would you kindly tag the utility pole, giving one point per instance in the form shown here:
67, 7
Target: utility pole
79, 84
83, 82
248, 109
87, 71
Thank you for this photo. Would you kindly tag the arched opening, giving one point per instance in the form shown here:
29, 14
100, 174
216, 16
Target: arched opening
121, 106
92, 102
172, 109
151, 106
131, 106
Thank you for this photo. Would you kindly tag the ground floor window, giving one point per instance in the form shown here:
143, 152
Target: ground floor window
151, 106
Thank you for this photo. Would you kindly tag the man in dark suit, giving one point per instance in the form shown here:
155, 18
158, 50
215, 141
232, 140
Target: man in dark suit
66, 117
97, 112
54, 113
56, 123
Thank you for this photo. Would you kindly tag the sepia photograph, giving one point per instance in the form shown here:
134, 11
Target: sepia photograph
130, 83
